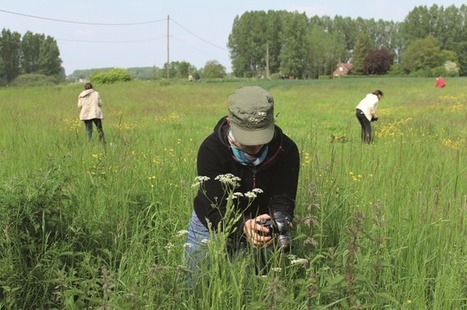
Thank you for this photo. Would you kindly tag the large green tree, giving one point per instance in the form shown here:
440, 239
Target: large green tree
247, 43
50, 62
274, 23
448, 25
295, 45
424, 54
317, 52
454, 36
10, 53
363, 47
32, 53
30, 47
347, 28
325, 51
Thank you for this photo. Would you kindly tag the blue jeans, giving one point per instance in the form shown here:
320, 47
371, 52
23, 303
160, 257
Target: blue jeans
195, 246
196, 254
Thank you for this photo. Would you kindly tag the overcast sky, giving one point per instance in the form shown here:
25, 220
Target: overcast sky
123, 33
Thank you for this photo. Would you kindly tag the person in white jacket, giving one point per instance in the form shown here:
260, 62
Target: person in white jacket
90, 103
366, 113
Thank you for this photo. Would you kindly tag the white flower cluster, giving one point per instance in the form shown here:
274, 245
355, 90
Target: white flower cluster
199, 180
182, 233
299, 261
294, 260
229, 179
237, 195
169, 246
229, 183
253, 193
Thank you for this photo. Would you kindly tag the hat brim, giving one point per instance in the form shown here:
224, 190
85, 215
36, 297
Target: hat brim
253, 136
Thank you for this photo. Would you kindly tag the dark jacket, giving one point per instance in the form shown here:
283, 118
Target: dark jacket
276, 176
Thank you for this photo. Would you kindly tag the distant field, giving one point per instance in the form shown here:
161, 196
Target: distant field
92, 226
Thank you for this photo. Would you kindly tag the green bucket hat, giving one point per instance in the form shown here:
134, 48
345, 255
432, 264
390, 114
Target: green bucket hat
251, 114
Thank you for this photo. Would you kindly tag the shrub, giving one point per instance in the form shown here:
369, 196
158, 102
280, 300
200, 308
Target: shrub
214, 69
111, 76
35, 80
452, 69
438, 71
396, 70
35, 220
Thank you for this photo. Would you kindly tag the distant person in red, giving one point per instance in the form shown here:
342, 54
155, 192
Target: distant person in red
440, 82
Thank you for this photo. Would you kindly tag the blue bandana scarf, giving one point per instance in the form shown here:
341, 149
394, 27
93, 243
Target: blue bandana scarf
248, 160
243, 158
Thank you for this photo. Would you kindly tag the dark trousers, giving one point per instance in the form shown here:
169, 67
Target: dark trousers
366, 126
98, 123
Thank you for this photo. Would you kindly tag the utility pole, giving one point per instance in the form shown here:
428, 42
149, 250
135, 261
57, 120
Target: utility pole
168, 51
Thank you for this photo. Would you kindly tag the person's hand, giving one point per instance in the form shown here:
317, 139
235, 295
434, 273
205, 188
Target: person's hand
257, 234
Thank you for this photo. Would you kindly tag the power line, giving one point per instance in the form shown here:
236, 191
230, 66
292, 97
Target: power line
105, 41
194, 47
83, 23
115, 24
195, 35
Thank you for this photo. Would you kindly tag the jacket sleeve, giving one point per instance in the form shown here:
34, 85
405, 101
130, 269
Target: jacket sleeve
211, 200
374, 107
284, 190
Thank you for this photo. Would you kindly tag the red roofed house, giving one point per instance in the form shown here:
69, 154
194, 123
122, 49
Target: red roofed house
342, 69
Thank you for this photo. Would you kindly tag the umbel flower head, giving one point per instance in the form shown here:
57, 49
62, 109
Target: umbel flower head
199, 180
229, 180
229, 183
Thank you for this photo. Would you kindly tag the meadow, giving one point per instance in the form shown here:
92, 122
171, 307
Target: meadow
92, 226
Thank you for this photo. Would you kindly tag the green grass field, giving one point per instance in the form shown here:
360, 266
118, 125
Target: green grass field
379, 226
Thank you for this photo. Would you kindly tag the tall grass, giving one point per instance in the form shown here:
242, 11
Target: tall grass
86, 225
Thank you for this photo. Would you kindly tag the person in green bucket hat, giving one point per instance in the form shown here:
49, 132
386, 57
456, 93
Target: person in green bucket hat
251, 157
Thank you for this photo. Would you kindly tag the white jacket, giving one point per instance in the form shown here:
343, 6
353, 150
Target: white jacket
89, 102
368, 105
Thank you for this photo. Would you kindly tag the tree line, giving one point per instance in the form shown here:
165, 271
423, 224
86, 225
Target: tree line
430, 41
31, 53
175, 69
